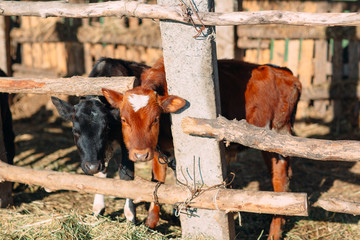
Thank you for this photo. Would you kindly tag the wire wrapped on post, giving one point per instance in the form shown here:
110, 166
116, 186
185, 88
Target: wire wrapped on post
187, 14
195, 190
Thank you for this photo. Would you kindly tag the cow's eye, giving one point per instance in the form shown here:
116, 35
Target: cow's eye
124, 122
156, 120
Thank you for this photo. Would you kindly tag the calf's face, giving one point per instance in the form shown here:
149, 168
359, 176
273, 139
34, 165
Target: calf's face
140, 110
90, 130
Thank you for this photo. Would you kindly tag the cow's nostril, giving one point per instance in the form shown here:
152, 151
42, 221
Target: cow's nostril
92, 168
141, 157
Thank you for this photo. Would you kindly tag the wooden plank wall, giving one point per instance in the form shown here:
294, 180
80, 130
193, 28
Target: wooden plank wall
69, 57
132, 53
47, 58
314, 54
93, 51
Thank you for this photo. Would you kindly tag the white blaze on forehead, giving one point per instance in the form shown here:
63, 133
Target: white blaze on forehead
138, 101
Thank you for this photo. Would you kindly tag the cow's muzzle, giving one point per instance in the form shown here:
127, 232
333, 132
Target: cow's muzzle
92, 167
141, 155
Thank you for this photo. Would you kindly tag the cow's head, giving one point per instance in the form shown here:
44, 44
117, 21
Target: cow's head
91, 119
140, 111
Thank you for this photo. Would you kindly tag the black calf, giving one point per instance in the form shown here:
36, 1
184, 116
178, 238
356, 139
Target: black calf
97, 128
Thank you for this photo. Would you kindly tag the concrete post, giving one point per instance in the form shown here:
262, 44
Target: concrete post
191, 71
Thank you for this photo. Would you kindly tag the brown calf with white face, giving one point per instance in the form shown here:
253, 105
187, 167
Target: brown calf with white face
141, 109
265, 95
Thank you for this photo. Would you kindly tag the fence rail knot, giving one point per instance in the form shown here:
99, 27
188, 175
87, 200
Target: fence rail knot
196, 190
187, 12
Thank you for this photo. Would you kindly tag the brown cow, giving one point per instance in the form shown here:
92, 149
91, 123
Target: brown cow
141, 109
265, 95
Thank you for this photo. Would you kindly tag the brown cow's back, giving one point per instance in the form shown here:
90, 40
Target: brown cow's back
270, 93
155, 79
234, 76
271, 98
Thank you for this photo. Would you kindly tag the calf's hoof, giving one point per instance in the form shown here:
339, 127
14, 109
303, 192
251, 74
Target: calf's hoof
151, 223
129, 211
99, 212
153, 216
98, 205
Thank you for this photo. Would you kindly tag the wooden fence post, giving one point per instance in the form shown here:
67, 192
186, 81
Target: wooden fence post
5, 45
191, 72
225, 35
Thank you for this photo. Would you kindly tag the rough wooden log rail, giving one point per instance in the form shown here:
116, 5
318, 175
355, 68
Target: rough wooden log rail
141, 190
267, 140
297, 32
140, 10
78, 86
338, 205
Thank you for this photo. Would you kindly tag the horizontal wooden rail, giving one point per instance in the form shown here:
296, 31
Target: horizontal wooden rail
298, 32
267, 140
338, 205
341, 90
141, 190
176, 13
78, 86
92, 86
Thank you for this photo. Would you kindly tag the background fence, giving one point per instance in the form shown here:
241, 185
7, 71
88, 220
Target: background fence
69, 47
325, 58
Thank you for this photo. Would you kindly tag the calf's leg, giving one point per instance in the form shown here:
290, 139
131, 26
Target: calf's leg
158, 175
99, 202
279, 168
126, 172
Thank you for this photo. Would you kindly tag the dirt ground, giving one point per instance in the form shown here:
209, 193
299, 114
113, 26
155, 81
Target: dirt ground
44, 141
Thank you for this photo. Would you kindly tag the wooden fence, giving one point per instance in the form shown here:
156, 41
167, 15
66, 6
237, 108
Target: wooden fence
174, 13
55, 47
229, 200
326, 59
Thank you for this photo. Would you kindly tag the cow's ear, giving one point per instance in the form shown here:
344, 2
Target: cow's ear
115, 113
171, 103
66, 110
113, 97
